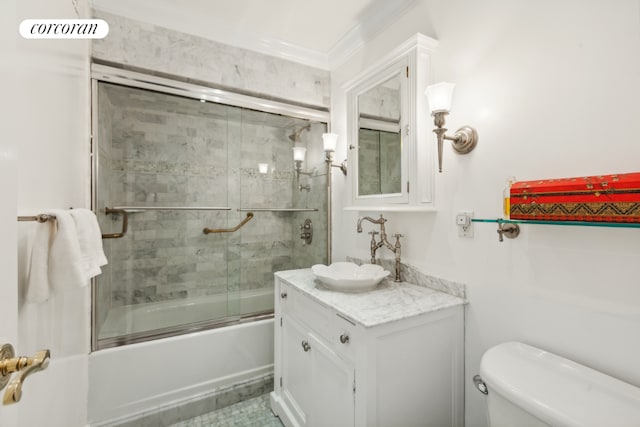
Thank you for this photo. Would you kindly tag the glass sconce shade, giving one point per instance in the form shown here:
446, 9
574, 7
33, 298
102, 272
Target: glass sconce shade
263, 167
439, 96
465, 138
299, 153
329, 140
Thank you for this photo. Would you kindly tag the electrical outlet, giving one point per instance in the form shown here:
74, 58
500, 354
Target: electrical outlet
465, 226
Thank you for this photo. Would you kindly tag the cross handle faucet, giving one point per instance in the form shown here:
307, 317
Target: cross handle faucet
396, 249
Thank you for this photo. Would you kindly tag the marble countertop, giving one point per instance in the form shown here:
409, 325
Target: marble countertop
389, 302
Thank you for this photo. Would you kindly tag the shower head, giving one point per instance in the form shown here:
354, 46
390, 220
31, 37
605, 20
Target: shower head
295, 136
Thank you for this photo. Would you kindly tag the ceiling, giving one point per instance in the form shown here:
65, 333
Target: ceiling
321, 34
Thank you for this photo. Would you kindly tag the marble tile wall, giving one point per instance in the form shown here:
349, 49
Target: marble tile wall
104, 192
411, 274
182, 152
163, 150
139, 44
316, 197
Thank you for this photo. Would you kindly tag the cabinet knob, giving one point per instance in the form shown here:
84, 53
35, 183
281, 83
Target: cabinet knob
283, 295
344, 338
305, 345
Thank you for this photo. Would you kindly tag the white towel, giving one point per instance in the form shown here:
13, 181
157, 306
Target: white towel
66, 264
90, 239
65, 254
38, 273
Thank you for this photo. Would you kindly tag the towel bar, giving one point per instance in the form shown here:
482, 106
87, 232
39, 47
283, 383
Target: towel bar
125, 223
39, 218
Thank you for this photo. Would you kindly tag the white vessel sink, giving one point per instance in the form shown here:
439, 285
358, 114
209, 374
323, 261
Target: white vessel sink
349, 277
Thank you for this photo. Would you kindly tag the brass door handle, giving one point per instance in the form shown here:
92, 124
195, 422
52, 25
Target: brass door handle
6, 369
24, 365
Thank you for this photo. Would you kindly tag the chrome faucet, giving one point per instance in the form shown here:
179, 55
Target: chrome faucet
396, 249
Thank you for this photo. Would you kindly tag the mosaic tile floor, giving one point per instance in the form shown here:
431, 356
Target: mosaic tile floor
254, 412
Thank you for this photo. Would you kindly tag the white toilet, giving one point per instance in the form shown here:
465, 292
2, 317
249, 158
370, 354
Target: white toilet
529, 387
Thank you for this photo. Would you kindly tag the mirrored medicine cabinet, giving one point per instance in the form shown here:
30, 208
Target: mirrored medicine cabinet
390, 141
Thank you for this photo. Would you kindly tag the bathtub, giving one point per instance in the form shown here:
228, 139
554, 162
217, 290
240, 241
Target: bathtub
128, 381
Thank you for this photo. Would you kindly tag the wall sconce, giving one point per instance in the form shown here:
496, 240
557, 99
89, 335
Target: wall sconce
263, 168
298, 158
329, 140
464, 140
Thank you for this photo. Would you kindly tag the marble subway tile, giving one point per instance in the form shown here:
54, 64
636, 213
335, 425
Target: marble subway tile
411, 274
164, 150
159, 49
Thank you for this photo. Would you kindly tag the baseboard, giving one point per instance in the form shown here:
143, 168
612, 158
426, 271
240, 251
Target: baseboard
204, 403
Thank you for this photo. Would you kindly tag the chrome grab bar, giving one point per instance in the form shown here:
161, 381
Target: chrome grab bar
229, 230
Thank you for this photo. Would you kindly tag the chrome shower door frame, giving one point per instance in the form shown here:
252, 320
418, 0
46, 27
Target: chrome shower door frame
176, 85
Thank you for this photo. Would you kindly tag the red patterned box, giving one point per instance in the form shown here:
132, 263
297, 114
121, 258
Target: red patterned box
605, 198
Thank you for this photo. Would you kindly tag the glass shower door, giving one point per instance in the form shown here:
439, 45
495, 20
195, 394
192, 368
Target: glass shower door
177, 165
164, 159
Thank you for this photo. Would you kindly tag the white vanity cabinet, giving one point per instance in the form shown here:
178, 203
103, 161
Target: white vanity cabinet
312, 372
335, 368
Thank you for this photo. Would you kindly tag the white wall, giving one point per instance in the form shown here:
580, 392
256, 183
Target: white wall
52, 108
8, 192
552, 88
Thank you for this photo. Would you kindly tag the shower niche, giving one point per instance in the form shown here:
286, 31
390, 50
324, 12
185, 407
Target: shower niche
178, 163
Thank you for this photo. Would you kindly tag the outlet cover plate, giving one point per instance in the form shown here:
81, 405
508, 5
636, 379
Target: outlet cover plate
464, 224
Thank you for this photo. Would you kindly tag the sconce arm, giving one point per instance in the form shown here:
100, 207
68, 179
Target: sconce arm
342, 166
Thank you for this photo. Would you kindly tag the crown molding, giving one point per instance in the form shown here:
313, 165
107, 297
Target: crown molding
380, 15
267, 46
289, 51
418, 40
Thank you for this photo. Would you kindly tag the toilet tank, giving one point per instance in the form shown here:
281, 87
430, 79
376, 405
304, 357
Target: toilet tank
532, 387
